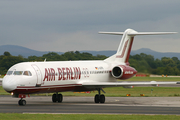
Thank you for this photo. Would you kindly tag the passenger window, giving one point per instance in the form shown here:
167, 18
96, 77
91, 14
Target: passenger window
27, 73
17, 72
9, 73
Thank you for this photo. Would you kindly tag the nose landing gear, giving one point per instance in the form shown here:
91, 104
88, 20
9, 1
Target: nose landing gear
22, 102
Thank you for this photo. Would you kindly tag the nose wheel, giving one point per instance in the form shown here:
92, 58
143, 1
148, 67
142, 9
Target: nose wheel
22, 102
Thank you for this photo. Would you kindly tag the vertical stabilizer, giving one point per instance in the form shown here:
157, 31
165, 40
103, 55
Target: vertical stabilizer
124, 49
125, 45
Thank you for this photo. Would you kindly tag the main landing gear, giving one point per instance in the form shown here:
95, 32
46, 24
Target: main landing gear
57, 97
99, 98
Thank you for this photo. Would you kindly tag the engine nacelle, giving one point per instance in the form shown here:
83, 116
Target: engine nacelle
123, 72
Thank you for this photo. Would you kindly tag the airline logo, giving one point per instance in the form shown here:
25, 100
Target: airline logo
128, 72
64, 73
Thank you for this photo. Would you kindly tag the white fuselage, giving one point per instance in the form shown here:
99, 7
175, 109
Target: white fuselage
56, 76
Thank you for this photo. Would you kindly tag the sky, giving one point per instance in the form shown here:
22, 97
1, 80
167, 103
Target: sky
73, 25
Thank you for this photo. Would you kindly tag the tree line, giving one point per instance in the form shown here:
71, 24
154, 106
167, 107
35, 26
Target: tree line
7, 60
143, 63
147, 64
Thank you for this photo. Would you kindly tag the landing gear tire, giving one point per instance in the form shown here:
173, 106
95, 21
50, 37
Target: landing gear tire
96, 98
102, 98
22, 102
57, 98
54, 97
99, 98
60, 98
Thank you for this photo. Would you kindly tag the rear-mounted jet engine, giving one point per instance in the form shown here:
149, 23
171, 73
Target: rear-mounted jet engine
123, 72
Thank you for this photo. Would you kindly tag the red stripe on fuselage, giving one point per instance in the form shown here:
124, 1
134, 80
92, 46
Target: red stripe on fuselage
48, 86
50, 89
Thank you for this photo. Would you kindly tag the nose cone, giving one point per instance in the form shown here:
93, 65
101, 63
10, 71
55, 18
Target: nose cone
9, 84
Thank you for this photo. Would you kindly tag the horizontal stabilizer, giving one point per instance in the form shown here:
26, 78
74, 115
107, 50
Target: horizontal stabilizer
112, 33
150, 33
138, 33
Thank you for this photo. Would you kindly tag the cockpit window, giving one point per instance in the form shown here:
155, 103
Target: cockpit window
9, 73
17, 72
27, 73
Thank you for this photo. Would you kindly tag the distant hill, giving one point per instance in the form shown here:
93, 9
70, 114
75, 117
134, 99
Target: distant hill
106, 53
19, 50
147, 51
158, 55
25, 52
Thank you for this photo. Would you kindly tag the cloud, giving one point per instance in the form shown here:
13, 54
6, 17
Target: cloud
77, 41
73, 25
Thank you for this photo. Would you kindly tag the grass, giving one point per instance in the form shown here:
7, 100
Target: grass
16, 116
3, 92
153, 79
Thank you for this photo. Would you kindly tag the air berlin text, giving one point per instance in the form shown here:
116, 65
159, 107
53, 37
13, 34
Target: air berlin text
65, 73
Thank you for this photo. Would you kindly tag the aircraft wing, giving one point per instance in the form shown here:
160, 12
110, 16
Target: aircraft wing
125, 84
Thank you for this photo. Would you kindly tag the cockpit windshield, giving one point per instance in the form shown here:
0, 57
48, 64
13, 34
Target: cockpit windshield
17, 72
26, 73
9, 73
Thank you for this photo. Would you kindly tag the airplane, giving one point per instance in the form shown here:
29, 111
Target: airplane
27, 78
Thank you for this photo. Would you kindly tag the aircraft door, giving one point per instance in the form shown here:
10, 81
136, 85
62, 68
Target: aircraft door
38, 74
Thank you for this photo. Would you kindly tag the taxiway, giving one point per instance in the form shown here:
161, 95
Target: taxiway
81, 105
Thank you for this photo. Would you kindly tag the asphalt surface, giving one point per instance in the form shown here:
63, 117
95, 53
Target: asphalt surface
80, 105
